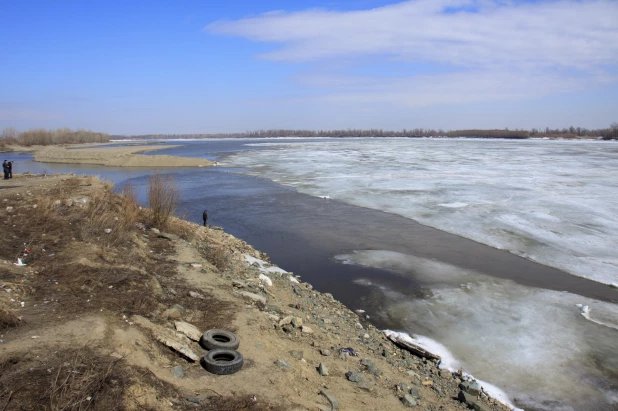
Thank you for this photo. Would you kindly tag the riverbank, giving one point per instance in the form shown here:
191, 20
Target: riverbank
83, 297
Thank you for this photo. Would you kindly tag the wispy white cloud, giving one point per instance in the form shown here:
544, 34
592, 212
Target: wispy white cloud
496, 50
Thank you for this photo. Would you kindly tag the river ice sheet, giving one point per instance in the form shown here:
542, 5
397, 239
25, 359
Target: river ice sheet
554, 202
533, 343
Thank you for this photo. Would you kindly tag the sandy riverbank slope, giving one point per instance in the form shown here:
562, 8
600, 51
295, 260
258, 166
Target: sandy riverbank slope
106, 313
116, 157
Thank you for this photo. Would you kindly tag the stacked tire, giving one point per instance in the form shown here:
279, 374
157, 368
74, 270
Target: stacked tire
222, 357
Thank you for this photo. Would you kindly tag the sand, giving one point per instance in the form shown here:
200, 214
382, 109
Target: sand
116, 157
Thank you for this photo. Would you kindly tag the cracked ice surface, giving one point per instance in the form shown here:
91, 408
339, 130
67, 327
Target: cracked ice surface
554, 202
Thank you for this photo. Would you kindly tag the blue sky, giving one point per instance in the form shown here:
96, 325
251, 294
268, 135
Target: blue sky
133, 67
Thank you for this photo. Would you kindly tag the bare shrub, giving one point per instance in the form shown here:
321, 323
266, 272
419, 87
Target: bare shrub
216, 255
163, 197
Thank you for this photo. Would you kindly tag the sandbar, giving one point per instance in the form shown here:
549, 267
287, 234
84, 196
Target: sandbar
116, 157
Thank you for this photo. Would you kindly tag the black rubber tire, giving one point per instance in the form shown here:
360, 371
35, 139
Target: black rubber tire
213, 339
223, 362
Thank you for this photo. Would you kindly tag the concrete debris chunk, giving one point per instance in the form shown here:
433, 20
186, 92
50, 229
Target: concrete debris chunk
189, 330
253, 297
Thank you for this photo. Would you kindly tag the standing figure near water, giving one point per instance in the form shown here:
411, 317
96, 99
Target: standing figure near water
205, 217
10, 169
5, 169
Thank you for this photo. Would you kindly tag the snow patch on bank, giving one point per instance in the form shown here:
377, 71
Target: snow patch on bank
449, 362
267, 268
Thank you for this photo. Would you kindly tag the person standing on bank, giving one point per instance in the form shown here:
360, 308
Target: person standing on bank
10, 169
5, 168
205, 217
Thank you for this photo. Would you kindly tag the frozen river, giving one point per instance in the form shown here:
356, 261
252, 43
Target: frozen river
553, 202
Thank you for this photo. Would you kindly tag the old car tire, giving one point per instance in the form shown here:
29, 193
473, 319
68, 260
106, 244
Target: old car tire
222, 361
219, 339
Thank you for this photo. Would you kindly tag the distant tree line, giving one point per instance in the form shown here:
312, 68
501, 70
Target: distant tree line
42, 137
571, 132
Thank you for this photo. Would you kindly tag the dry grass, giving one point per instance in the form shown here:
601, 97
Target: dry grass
77, 268
74, 379
216, 255
239, 403
8, 319
163, 198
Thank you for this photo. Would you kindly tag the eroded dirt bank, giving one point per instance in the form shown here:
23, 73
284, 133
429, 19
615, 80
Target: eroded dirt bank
98, 315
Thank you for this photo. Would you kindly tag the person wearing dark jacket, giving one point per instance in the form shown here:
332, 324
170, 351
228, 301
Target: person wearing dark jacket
205, 217
5, 168
10, 169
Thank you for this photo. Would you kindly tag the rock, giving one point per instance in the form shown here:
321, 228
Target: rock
408, 401
474, 388
178, 371
366, 362
334, 404
189, 330
353, 376
306, 330
196, 265
196, 400
404, 387
472, 401
444, 373
253, 297
283, 364
322, 369
168, 236
195, 294
172, 314
414, 392
374, 370
343, 355
297, 354
176, 341
238, 284
428, 383
297, 322
325, 352
359, 326
155, 230
365, 386
288, 328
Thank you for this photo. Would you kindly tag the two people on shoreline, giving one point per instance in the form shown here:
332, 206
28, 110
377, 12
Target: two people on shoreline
7, 168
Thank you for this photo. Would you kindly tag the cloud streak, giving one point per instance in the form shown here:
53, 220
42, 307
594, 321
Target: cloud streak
557, 33
504, 50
